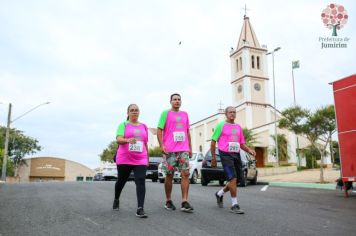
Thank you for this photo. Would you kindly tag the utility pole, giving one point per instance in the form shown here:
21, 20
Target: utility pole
4, 161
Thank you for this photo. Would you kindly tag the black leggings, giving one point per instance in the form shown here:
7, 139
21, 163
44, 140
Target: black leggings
123, 173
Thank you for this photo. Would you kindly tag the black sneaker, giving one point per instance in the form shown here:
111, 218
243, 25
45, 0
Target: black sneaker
186, 207
169, 206
219, 200
141, 213
236, 209
115, 205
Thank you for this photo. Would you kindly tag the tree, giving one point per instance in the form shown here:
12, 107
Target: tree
108, 153
334, 17
9, 165
250, 137
282, 148
20, 145
321, 125
317, 127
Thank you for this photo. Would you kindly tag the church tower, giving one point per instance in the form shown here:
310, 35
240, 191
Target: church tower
249, 78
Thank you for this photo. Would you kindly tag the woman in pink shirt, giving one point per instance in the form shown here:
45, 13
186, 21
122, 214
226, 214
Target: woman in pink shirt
132, 155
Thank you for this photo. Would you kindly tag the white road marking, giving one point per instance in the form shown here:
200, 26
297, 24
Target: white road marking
90, 220
264, 188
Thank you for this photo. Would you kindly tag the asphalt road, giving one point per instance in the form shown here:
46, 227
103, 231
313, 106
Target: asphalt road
85, 209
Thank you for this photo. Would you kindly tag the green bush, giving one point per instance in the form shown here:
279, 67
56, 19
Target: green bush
155, 152
311, 155
287, 164
268, 166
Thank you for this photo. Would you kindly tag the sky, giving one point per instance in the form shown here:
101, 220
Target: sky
91, 59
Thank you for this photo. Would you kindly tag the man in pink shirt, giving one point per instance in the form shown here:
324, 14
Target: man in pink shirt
174, 139
230, 139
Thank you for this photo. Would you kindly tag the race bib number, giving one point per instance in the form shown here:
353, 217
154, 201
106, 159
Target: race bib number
234, 147
136, 147
179, 136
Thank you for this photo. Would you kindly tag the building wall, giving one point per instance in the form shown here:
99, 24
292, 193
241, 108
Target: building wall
241, 117
258, 116
258, 96
53, 169
74, 169
199, 137
24, 171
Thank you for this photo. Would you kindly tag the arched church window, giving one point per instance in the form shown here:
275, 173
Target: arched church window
237, 64
200, 148
253, 61
258, 63
240, 63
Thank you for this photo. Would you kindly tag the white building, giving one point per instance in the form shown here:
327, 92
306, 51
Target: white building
250, 86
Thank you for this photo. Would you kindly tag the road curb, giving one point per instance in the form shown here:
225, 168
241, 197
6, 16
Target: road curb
303, 185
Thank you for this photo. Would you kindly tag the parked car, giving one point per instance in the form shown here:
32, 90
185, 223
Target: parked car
195, 163
109, 172
248, 169
98, 177
152, 169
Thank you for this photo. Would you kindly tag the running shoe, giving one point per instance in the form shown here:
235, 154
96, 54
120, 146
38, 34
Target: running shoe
186, 207
236, 209
170, 206
115, 205
141, 213
219, 200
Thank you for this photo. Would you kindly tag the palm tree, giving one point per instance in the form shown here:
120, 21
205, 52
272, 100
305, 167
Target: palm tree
250, 137
282, 148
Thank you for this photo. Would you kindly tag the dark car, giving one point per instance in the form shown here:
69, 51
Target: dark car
152, 169
209, 174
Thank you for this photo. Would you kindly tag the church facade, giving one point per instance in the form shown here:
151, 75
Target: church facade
250, 95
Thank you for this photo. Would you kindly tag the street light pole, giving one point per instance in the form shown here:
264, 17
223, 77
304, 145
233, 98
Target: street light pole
7, 136
274, 103
295, 64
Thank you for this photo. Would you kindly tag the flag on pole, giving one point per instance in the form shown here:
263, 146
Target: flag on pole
295, 64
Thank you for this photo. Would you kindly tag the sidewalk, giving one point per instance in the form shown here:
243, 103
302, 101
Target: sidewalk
304, 179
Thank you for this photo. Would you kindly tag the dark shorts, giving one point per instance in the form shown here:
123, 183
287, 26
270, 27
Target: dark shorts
232, 165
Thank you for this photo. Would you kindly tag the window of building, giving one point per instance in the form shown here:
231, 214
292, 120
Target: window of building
240, 63
80, 178
258, 63
253, 61
200, 148
88, 178
237, 65
200, 134
212, 129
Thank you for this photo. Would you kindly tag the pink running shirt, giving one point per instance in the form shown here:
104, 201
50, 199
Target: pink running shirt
175, 126
132, 154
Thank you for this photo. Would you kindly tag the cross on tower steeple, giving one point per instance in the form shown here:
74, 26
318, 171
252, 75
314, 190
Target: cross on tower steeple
221, 109
245, 8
